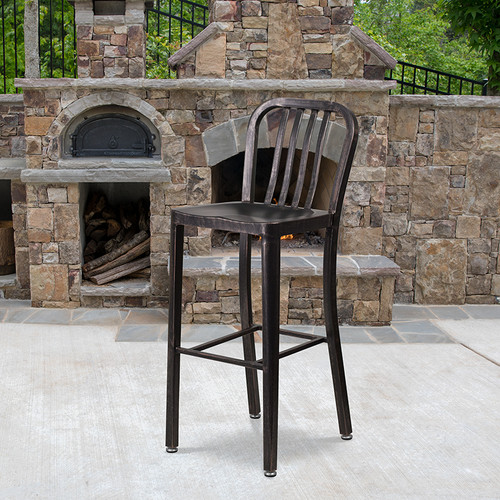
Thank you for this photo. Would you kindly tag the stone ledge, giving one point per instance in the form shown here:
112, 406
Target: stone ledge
109, 163
373, 47
333, 84
209, 32
347, 265
11, 99
11, 168
96, 175
445, 101
130, 288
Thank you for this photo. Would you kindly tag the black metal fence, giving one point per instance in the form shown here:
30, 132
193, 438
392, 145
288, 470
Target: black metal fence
414, 79
11, 43
169, 25
57, 41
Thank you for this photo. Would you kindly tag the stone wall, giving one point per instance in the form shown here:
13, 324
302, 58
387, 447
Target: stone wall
111, 45
434, 209
442, 205
12, 142
180, 174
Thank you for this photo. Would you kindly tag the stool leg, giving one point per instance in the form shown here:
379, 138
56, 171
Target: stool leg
174, 338
333, 333
270, 348
246, 322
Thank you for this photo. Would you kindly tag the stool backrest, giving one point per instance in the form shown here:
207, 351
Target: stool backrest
312, 140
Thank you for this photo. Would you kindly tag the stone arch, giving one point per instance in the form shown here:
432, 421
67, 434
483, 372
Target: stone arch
228, 139
59, 128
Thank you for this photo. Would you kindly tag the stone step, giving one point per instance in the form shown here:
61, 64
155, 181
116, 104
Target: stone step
365, 290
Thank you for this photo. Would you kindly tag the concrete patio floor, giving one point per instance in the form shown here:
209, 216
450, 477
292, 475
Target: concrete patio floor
82, 415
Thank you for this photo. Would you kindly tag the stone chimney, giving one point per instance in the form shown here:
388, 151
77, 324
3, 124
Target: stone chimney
111, 38
281, 39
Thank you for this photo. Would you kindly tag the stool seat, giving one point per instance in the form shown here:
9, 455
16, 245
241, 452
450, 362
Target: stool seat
286, 208
252, 218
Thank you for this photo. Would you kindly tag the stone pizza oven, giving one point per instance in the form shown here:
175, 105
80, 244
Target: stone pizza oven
189, 126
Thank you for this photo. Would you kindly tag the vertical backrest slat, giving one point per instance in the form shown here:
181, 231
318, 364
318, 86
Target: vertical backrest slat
344, 160
303, 158
289, 159
277, 156
317, 159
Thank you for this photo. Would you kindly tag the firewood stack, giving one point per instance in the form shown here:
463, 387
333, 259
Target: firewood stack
118, 240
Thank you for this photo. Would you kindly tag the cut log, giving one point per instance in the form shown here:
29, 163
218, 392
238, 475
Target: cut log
90, 248
109, 213
120, 271
98, 235
143, 215
126, 217
93, 225
124, 248
143, 273
132, 254
94, 206
113, 228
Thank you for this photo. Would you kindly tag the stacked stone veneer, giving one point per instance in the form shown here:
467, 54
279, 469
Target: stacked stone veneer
442, 206
282, 40
110, 46
365, 289
12, 142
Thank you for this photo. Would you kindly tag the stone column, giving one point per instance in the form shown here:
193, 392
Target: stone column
32, 55
114, 45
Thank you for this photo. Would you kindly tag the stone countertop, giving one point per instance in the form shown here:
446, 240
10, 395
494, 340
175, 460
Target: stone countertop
347, 265
446, 101
332, 84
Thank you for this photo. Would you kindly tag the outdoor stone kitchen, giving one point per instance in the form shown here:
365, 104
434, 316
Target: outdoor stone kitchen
421, 218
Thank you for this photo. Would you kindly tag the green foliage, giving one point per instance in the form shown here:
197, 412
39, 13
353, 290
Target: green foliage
12, 60
479, 20
168, 32
57, 43
413, 31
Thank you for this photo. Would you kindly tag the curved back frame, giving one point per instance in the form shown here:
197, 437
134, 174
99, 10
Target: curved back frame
312, 133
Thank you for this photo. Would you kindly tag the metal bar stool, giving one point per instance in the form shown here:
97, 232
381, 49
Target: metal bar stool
285, 209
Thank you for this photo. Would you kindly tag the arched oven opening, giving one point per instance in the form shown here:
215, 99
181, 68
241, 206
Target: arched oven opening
112, 134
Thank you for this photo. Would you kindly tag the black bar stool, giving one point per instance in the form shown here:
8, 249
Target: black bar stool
286, 209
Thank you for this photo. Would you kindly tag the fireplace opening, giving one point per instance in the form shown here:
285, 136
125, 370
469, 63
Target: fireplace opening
7, 249
5, 201
115, 232
227, 178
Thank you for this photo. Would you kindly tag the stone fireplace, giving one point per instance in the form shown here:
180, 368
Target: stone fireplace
193, 131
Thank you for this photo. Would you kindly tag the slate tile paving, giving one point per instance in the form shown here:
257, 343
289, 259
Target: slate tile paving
50, 316
140, 333
354, 335
384, 335
411, 323
105, 317
448, 312
406, 312
147, 316
18, 315
416, 327
482, 311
